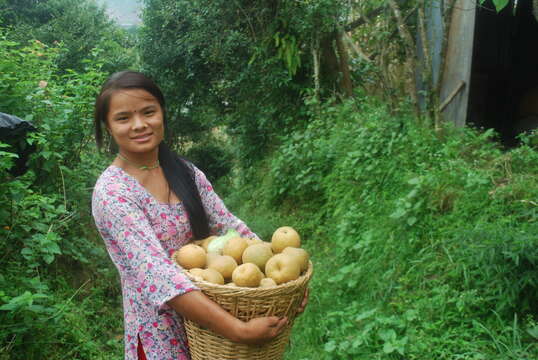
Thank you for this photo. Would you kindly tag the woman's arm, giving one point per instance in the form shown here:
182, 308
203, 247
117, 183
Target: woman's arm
140, 258
133, 246
199, 308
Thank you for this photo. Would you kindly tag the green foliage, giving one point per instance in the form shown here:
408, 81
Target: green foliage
213, 159
245, 63
6, 159
288, 51
424, 242
499, 4
80, 26
46, 229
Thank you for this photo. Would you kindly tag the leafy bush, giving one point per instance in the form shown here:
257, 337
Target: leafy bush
80, 26
425, 241
213, 159
47, 240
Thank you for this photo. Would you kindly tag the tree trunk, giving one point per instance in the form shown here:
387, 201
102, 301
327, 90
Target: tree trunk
329, 63
346, 86
409, 45
315, 57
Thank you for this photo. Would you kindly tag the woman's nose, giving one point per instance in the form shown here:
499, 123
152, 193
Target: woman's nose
138, 121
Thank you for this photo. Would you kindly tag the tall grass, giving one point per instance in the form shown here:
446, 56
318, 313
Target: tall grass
424, 242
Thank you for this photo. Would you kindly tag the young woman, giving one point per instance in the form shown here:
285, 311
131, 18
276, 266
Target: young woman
148, 203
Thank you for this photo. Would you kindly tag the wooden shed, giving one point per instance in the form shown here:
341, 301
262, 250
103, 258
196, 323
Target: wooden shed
490, 79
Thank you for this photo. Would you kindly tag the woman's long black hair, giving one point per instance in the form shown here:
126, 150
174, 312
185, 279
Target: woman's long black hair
177, 171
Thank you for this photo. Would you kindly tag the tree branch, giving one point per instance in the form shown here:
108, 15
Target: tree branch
363, 19
409, 46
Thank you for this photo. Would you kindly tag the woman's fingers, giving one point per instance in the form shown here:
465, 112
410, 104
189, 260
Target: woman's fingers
276, 327
281, 324
263, 329
304, 302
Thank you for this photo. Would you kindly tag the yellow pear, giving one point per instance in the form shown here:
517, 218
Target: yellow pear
197, 273
247, 275
267, 282
282, 268
213, 276
300, 254
283, 237
205, 242
210, 257
224, 264
190, 256
252, 241
257, 254
235, 247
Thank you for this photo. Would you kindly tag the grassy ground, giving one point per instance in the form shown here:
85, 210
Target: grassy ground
424, 243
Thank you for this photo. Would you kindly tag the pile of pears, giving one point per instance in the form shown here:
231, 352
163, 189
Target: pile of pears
237, 261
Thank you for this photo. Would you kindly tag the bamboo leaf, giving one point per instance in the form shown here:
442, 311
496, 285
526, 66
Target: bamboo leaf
500, 4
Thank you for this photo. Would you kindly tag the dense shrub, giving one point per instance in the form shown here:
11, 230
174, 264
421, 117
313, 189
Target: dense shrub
50, 306
213, 159
424, 241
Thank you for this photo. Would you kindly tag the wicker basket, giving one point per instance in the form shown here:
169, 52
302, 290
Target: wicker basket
245, 304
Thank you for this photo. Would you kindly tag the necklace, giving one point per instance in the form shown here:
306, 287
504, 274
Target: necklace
143, 167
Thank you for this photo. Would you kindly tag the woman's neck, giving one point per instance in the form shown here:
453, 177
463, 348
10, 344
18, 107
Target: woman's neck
137, 161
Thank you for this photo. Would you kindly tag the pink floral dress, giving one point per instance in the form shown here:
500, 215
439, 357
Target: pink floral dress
140, 235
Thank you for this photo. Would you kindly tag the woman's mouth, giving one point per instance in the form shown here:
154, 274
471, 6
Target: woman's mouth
142, 138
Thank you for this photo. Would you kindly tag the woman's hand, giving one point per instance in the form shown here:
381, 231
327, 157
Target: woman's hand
260, 330
303, 303
263, 329
197, 307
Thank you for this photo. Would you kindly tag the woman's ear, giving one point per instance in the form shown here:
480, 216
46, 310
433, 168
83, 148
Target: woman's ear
112, 146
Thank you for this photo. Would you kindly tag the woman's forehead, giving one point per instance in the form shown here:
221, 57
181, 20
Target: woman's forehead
131, 98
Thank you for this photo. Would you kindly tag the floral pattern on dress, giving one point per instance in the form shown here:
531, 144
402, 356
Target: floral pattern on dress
140, 235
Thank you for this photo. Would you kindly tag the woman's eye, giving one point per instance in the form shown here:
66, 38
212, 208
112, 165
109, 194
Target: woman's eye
123, 118
150, 112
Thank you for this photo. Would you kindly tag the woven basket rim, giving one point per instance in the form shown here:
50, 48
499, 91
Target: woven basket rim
245, 304
241, 290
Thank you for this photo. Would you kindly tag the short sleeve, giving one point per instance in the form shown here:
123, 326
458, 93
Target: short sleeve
220, 219
134, 248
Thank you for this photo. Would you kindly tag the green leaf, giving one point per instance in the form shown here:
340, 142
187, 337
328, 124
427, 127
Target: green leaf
9, 307
27, 252
411, 315
365, 314
415, 181
533, 331
48, 258
8, 154
400, 212
330, 346
500, 4
387, 335
388, 348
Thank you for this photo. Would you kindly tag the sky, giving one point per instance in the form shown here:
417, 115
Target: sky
125, 12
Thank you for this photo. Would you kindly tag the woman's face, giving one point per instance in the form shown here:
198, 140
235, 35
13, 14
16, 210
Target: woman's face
135, 121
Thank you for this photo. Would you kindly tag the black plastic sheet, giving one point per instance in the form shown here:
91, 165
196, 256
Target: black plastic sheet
13, 131
12, 126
